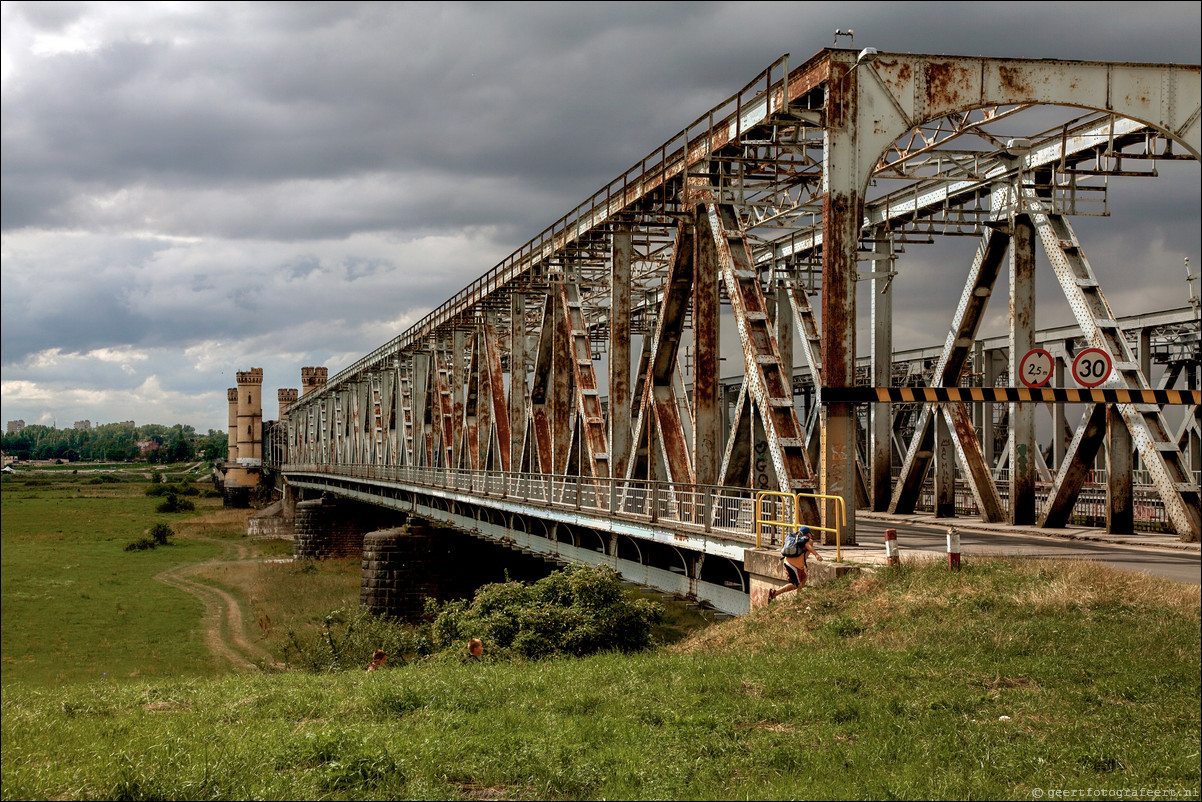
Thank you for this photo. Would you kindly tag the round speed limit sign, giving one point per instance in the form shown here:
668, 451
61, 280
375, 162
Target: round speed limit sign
1035, 369
1092, 367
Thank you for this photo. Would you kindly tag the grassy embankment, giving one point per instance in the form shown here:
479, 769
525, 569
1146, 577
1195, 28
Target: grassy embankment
887, 686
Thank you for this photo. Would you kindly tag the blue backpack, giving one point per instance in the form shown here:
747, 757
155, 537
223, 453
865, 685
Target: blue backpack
795, 542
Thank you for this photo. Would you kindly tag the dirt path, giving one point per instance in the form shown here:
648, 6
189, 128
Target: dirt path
224, 632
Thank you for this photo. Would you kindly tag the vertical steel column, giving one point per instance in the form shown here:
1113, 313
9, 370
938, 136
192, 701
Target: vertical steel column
945, 468
562, 410
842, 211
708, 404
988, 433
517, 379
498, 436
1120, 509
619, 349
1058, 423
458, 393
1022, 340
882, 376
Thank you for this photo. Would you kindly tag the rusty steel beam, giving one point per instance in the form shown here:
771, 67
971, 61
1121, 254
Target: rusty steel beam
468, 450
765, 383
708, 405
658, 406
619, 349
540, 394
592, 449
881, 428
457, 358
1120, 499
1021, 453
563, 363
518, 393
736, 457
501, 438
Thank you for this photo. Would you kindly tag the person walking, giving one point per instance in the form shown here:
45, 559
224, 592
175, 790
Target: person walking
796, 550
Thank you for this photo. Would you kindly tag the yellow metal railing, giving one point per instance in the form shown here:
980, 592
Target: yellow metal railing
840, 522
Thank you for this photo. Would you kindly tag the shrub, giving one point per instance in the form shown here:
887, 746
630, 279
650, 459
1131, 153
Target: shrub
141, 544
161, 533
173, 503
577, 611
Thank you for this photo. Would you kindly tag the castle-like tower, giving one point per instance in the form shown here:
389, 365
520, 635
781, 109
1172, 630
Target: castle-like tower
250, 417
286, 397
312, 378
231, 456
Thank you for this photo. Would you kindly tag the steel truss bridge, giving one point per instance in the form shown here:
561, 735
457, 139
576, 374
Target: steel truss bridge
577, 387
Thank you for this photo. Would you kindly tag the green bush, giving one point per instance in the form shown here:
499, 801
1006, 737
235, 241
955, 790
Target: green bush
577, 611
173, 503
161, 534
141, 544
105, 479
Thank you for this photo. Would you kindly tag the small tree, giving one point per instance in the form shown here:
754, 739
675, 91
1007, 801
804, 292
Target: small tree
161, 534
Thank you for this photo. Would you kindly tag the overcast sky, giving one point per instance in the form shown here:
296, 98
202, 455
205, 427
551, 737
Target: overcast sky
192, 189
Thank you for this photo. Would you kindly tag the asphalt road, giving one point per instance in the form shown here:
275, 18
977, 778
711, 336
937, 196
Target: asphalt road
1179, 565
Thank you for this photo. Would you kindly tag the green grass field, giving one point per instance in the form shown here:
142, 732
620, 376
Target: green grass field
1004, 680
78, 607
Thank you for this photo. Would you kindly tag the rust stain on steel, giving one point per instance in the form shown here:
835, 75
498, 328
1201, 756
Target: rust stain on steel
588, 402
496, 393
896, 74
835, 300
1013, 80
943, 86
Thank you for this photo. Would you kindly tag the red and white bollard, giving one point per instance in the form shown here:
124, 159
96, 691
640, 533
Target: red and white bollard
891, 557
953, 549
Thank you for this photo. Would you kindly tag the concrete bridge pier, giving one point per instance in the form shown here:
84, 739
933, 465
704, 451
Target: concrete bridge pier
399, 571
326, 527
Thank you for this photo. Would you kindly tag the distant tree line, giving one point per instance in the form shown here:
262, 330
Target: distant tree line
116, 442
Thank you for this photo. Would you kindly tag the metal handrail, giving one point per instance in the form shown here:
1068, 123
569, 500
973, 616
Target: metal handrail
840, 519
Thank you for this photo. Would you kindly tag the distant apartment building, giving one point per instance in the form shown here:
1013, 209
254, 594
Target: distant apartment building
15, 426
128, 423
83, 424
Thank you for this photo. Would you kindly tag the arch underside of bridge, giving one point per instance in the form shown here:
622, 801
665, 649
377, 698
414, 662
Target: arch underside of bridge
597, 349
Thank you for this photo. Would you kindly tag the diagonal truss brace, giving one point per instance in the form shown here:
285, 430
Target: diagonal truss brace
658, 404
762, 368
1157, 448
977, 289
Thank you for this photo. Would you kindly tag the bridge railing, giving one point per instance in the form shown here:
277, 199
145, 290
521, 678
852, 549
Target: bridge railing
726, 511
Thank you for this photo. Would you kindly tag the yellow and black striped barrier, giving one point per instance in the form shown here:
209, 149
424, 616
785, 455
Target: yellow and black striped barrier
913, 395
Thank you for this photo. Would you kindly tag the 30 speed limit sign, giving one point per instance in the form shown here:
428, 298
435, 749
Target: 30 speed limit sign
1035, 369
1092, 367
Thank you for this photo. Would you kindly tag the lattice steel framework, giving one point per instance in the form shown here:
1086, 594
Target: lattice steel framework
773, 198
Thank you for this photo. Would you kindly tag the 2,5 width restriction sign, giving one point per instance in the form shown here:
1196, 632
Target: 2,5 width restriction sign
1092, 367
1035, 369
